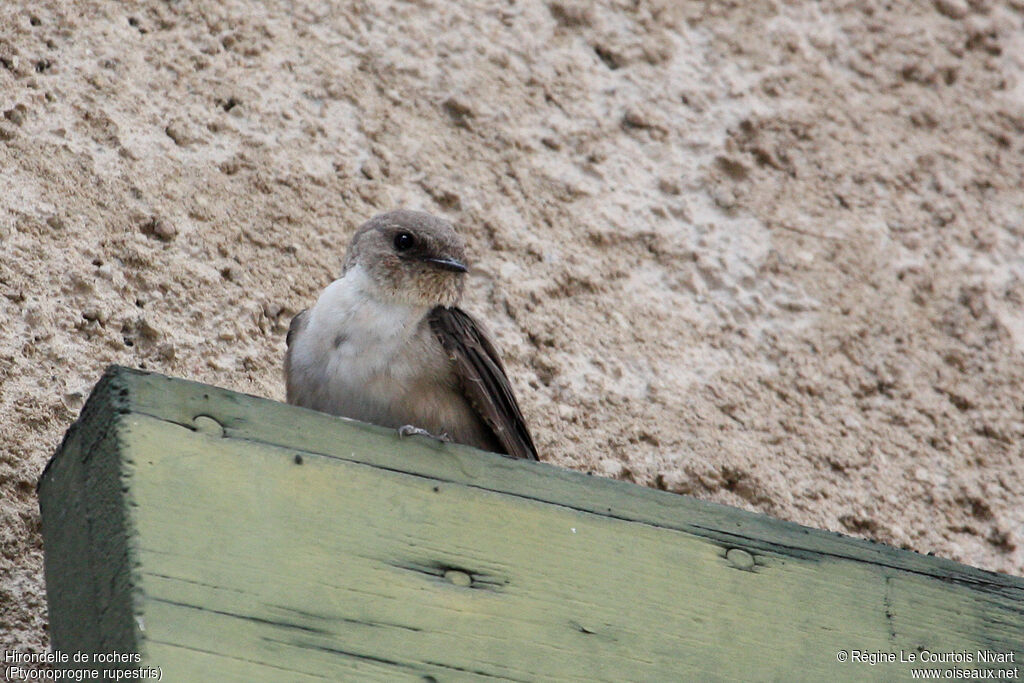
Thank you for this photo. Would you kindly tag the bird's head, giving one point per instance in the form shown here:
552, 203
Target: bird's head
411, 257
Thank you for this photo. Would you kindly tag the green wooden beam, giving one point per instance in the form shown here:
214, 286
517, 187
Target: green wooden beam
231, 538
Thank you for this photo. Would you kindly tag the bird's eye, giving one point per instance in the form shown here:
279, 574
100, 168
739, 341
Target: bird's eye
404, 241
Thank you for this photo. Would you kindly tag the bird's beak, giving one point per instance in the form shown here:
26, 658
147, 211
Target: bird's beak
448, 264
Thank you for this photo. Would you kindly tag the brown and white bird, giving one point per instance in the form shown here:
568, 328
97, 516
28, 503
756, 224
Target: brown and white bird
386, 343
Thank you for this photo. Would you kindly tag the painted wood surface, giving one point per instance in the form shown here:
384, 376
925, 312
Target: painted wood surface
226, 537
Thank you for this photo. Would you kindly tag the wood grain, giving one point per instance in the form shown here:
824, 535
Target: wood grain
231, 538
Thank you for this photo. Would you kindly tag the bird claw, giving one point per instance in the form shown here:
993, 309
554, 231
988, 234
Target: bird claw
413, 430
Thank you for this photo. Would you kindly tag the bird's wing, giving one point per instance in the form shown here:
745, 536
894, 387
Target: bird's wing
296, 327
483, 379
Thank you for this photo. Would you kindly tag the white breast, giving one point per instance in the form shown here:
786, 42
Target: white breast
360, 357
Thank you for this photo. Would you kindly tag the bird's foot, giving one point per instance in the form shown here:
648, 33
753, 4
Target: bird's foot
413, 430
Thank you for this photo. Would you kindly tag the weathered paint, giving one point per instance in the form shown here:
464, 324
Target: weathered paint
231, 538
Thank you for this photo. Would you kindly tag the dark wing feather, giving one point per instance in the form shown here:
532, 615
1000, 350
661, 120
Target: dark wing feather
483, 378
296, 327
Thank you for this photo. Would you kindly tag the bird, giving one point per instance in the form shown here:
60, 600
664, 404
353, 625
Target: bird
386, 342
